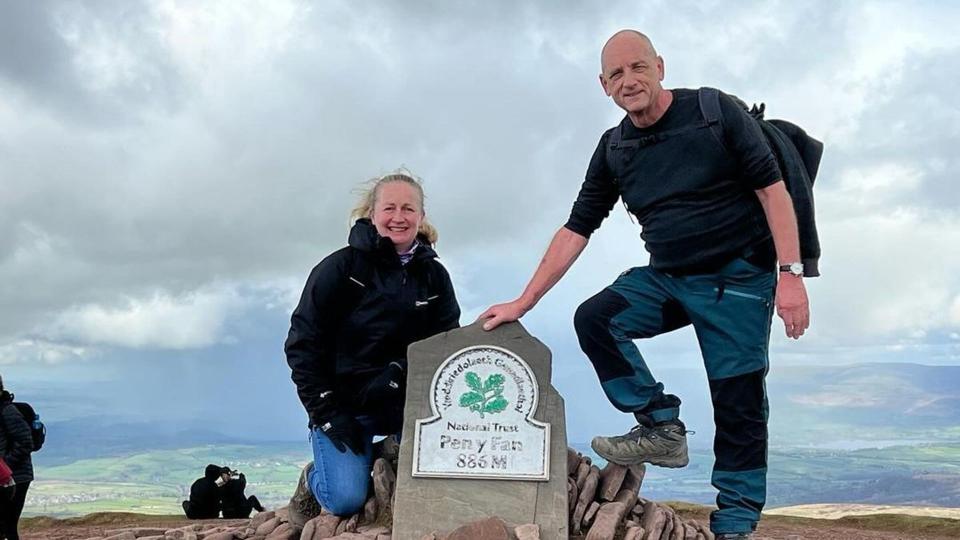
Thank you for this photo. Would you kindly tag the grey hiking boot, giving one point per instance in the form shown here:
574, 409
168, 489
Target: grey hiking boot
303, 505
664, 445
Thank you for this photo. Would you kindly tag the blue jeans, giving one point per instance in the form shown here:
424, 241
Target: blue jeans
730, 311
339, 480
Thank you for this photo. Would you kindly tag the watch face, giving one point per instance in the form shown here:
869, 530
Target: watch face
793, 268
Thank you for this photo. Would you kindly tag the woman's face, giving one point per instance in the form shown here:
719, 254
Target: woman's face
397, 214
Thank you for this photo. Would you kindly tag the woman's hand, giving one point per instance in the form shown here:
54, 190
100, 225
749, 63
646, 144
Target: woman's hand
386, 388
345, 432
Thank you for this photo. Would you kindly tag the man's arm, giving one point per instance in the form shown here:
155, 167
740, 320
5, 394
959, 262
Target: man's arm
564, 249
792, 304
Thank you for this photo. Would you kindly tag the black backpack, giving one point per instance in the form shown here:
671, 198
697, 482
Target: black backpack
38, 431
798, 156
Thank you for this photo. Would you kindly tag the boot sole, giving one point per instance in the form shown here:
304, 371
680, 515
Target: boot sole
668, 464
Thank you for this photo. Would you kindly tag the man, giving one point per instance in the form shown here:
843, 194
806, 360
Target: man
716, 218
204, 500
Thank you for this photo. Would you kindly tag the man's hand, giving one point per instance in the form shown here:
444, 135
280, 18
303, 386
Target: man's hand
563, 250
502, 313
792, 305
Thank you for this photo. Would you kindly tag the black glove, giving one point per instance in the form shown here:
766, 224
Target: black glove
344, 432
386, 388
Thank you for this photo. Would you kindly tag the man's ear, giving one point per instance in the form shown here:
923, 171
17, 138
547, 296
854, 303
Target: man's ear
603, 83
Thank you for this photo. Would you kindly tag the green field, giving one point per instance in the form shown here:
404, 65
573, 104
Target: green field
155, 482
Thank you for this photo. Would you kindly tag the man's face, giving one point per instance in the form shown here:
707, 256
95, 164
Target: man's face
631, 73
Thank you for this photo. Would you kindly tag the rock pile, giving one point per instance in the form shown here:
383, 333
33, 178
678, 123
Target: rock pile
606, 504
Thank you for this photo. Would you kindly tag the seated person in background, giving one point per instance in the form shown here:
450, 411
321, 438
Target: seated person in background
233, 502
204, 500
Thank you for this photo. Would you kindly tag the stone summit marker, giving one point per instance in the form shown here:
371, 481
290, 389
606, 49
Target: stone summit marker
483, 398
484, 435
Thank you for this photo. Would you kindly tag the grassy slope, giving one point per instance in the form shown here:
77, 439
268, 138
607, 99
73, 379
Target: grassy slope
156, 482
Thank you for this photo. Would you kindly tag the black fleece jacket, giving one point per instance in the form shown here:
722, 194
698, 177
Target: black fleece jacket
16, 442
233, 501
359, 311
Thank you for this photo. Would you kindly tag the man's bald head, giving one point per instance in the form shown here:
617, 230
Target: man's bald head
627, 37
631, 75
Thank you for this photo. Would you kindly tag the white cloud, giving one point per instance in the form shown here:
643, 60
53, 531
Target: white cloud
954, 315
879, 185
33, 351
161, 321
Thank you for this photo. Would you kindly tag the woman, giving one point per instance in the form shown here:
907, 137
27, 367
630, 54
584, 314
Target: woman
234, 502
360, 309
16, 443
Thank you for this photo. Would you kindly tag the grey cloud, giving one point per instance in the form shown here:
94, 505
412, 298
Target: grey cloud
32, 53
41, 53
496, 105
916, 121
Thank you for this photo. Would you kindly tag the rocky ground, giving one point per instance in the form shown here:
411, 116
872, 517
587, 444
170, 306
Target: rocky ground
780, 528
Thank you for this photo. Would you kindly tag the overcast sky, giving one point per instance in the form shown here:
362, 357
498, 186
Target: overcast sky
170, 172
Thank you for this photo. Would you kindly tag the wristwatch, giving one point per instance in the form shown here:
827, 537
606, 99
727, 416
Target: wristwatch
794, 268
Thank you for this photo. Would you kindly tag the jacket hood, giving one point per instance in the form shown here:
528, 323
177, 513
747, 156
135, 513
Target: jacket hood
211, 472
364, 237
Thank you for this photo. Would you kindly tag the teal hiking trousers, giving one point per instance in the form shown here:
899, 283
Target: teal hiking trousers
731, 312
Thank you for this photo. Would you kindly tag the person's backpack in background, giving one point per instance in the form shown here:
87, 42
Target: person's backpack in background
798, 156
37, 430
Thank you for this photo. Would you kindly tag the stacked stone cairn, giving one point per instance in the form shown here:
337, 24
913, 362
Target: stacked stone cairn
604, 505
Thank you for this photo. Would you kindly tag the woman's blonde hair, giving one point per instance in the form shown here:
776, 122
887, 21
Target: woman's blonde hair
370, 190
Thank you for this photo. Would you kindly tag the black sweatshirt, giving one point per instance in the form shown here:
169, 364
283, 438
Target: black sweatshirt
694, 200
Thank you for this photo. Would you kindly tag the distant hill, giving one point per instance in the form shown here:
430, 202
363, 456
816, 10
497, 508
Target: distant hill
95, 436
881, 402
855, 406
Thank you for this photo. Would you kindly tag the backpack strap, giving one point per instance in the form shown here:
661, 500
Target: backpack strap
709, 99
615, 142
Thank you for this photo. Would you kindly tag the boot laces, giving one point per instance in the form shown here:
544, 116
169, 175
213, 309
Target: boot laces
640, 432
